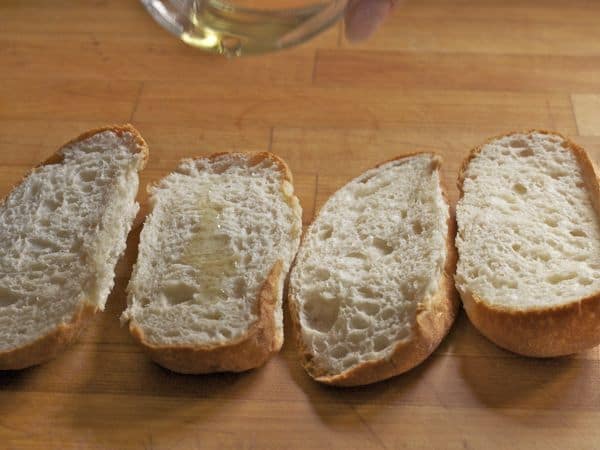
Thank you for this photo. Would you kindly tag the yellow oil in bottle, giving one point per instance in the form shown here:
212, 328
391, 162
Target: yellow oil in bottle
235, 27
232, 29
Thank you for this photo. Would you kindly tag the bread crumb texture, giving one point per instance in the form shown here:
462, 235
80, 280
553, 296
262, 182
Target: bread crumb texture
375, 252
62, 230
217, 228
529, 237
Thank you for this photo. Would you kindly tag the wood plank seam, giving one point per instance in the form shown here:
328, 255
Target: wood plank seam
574, 114
366, 424
313, 76
136, 100
271, 132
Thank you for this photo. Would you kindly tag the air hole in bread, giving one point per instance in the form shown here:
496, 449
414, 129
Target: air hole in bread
34, 189
417, 227
519, 188
7, 297
382, 246
225, 333
88, 175
557, 175
58, 280
518, 143
356, 256
584, 281
339, 351
39, 244
360, 321
526, 153
239, 287
320, 312
325, 232
544, 256
350, 361
578, 233
50, 205
553, 223
177, 292
561, 277
367, 292
38, 266
356, 337
380, 343
388, 313
368, 308
65, 234
211, 315
322, 274
76, 246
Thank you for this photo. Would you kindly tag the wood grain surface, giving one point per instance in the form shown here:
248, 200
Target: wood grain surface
441, 75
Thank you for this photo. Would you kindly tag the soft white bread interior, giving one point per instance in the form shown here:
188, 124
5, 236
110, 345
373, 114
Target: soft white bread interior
62, 230
370, 292
529, 244
206, 291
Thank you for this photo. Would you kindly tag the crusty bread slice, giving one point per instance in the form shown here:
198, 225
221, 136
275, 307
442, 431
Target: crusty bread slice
206, 291
371, 292
529, 244
62, 230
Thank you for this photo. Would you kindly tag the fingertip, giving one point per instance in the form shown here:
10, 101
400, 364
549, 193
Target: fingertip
364, 17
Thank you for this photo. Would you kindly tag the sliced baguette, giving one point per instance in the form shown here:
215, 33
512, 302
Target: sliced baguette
62, 230
529, 244
371, 294
206, 291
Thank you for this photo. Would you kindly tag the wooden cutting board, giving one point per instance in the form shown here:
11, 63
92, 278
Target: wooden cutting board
442, 75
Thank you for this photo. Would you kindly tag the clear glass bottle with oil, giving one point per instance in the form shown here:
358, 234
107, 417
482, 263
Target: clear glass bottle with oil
236, 27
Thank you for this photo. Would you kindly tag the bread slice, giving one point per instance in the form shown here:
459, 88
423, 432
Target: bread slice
62, 230
371, 294
529, 244
206, 291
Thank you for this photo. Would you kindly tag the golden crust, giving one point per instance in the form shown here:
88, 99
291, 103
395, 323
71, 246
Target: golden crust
253, 348
543, 332
255, 158
119, 130
433, 321
48, 346
57, 157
